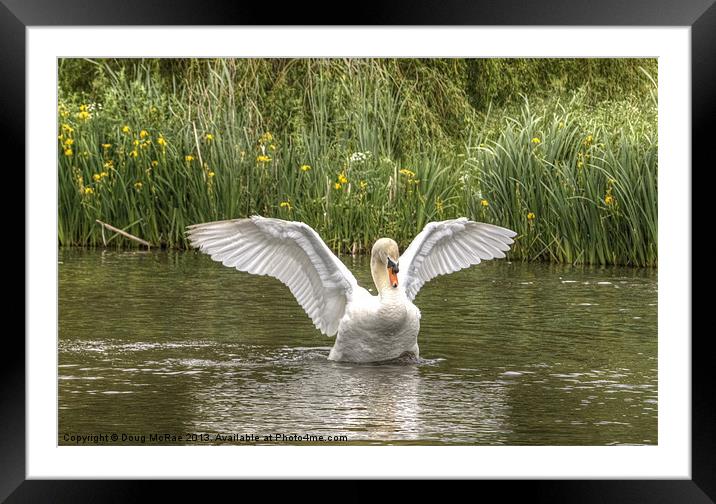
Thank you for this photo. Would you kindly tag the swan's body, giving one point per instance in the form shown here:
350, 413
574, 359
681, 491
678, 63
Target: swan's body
368, 328
377, 328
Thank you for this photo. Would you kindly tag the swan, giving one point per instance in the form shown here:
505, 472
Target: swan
367, 328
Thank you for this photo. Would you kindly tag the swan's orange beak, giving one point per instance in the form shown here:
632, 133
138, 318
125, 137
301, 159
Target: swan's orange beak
393, 277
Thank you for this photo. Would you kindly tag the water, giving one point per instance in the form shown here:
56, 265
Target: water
512, 354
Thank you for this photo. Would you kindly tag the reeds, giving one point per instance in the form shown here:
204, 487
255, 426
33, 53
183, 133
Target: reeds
361, 149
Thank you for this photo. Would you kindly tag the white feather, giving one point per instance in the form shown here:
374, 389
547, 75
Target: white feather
322, 285
447, 246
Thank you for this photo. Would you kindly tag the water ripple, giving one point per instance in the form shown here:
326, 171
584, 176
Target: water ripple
511, 354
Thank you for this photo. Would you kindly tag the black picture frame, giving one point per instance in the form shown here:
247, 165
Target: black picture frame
700, 15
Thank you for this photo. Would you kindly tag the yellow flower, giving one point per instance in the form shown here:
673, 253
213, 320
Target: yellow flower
136, 142
305, 168
143, 134
263, 158
68, 152
561, 125
211, 174
536, 140
67, 128
336, 186
609, 199
189, 158
137, 185
155, 163
209, 137
109, 164
363, 184
83, 115
407, 173
531, 216
134, 153
96, 177
342, 178
106, 146
125, 129
69, 142
89, 190
484, 203
161, 141
285, 204
83, 108
266, 138
588, 140
104, 174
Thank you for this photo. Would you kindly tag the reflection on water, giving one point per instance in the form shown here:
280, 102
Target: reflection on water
513, 353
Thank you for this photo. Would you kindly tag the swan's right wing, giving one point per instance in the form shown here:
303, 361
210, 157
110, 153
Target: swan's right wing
292, 252
447, 246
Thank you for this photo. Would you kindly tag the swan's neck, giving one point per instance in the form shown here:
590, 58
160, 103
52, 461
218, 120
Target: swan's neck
381, 279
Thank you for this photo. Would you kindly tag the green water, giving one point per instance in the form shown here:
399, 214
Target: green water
155, 343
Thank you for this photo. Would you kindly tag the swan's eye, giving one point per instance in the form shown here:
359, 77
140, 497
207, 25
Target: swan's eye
393, 265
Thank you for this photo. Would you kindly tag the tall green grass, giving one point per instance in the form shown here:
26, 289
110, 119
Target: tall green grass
360, 149
577, 187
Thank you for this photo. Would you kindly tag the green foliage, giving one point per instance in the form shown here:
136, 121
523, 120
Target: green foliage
501, 81
578, 186
363, 148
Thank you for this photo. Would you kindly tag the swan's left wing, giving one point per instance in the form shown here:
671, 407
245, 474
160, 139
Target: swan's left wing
289, 251
447, 246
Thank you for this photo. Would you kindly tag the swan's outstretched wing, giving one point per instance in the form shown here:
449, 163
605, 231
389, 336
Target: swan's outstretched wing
447, 246
289, 251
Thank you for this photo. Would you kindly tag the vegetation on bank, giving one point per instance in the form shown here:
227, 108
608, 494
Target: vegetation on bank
562, 151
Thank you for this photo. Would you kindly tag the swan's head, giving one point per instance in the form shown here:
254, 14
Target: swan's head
384, 260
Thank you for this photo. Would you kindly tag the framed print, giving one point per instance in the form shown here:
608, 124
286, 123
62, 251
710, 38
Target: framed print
528, 142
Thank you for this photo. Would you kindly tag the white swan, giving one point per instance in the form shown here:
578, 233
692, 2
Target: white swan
369, 328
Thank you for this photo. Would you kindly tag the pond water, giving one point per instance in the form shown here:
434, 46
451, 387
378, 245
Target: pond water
157, 343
